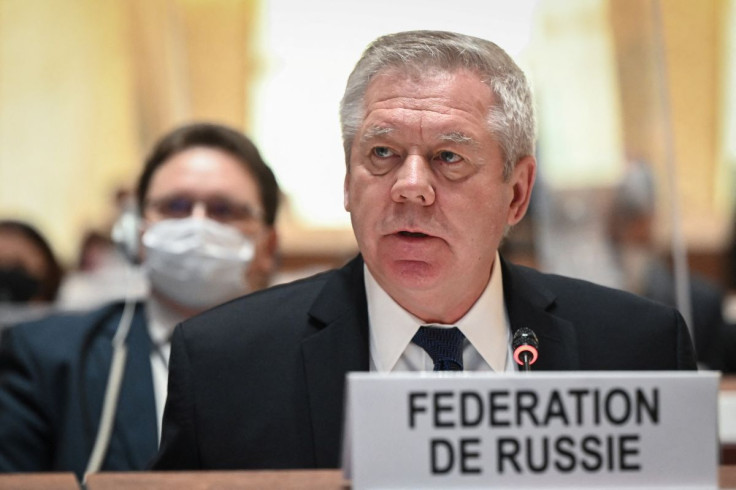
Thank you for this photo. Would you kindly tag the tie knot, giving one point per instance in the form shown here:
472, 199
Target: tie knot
444, 346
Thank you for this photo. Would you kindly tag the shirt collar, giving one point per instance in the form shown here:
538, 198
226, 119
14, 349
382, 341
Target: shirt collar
485, 325
161, 320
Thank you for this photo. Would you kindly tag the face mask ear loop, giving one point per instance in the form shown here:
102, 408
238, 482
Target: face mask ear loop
114, 380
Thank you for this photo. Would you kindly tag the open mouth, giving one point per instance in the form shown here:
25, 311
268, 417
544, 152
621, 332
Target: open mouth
413, 234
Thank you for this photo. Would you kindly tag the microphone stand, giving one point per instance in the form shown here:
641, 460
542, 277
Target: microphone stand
525, 357
527, 366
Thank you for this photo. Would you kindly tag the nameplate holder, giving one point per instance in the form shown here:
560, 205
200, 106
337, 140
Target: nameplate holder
540, 430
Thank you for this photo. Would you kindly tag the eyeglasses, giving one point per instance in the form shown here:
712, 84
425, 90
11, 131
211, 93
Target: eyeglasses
217, 208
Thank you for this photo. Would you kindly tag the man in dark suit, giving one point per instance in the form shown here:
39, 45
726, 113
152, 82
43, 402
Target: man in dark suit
643, 271
438, 130
208, 204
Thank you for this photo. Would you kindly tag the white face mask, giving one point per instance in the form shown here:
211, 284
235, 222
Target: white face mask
197, 262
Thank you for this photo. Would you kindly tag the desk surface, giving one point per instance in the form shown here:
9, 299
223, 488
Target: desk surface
262, 480
39, 481
728, 382
206, 480
211, 480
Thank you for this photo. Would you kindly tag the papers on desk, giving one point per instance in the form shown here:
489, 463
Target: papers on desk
549, 430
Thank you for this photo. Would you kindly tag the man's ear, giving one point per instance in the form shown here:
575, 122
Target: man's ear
346, 192
522, 181
127, 233
264, 260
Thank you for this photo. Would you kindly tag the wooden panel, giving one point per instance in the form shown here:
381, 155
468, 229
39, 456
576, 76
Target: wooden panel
210, 480
39, 481
262, 480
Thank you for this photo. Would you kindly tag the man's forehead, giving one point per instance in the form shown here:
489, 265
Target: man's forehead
453, 135
443, 93
411, 75
419, 72
204, 172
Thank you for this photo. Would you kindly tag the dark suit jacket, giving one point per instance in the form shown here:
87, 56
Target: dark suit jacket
53, 374
259, 382
711, 334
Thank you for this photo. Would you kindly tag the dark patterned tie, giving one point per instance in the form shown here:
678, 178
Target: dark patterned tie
444, 346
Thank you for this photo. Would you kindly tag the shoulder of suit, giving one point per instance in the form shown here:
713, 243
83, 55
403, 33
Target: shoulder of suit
65, 327
304, 288
290, 299
565, 288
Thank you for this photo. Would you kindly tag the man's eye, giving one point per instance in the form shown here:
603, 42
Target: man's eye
176, 207
220, 210
382, 152
449, 157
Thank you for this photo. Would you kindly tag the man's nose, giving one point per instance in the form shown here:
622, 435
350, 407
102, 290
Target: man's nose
199, 209
414, 182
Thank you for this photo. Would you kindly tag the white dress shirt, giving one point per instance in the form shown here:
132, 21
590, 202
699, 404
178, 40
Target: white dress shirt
161, 322
485, 326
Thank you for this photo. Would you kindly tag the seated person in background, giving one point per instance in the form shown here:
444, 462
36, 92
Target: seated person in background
94, 251
643, 271
29, 271
208, 204
30, 275
438, 131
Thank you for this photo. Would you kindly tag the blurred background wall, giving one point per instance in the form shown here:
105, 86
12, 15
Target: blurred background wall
86, 87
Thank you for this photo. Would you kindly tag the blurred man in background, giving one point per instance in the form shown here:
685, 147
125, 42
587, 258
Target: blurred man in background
643, 270
205, 234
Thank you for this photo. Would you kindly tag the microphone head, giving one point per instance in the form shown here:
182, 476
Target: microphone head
525, 336
525, 341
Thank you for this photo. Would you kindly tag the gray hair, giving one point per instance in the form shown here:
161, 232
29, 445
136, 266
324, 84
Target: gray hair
511, 119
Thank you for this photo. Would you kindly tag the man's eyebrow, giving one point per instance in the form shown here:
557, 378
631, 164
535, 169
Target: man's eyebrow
376, 131
458, 137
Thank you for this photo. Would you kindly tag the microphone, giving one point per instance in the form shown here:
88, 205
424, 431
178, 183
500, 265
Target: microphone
525, 345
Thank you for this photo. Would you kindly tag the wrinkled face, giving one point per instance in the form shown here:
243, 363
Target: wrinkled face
207, 182
426, 192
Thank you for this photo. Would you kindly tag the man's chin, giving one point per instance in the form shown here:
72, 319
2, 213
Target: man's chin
413, 274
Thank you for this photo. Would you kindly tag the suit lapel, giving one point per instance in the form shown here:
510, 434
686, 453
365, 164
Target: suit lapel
530, 305
338, 347
134, 438
135, 422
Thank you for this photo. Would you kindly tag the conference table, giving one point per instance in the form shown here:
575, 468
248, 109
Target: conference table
218, 480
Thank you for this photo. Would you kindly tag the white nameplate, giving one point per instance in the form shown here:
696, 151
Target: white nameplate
552, 430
